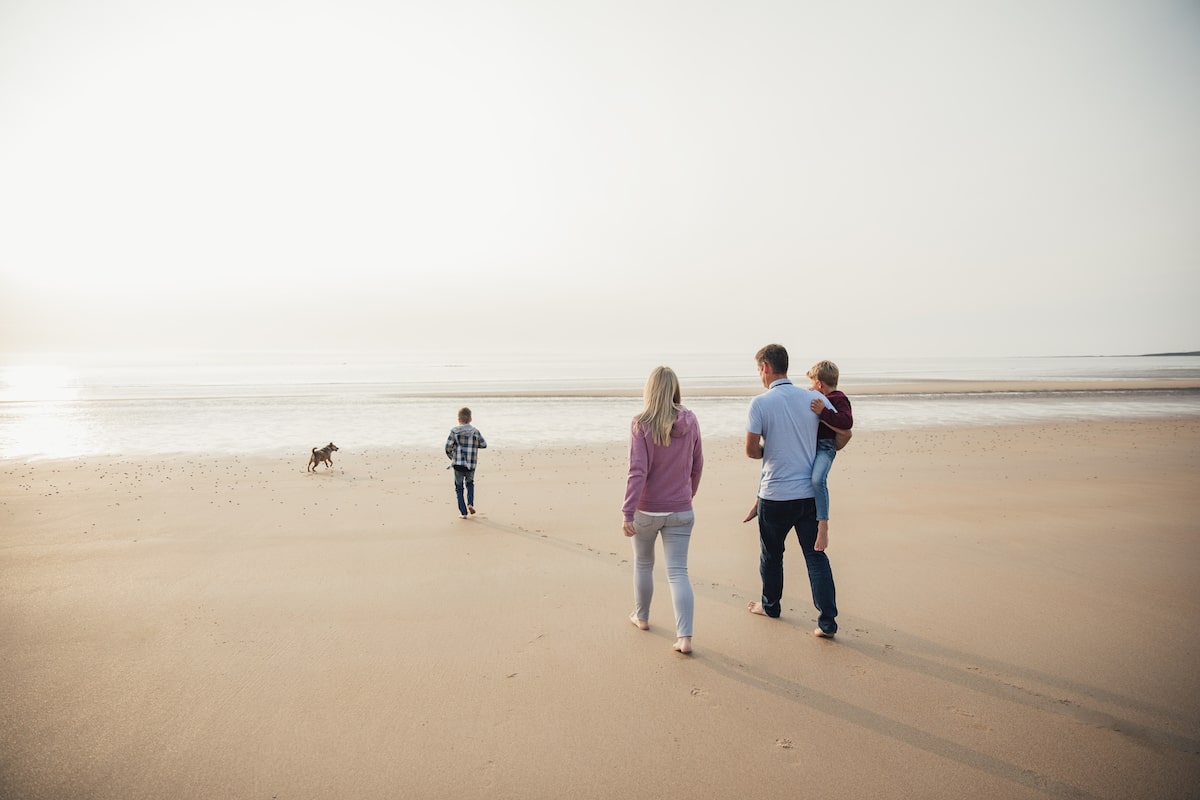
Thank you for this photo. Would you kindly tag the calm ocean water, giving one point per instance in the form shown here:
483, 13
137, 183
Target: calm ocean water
64, 406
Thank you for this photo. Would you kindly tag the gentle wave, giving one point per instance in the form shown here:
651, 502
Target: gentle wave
356, 420
66, 406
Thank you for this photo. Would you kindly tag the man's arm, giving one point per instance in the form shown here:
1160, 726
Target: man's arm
754, 449
754, 445
841, 436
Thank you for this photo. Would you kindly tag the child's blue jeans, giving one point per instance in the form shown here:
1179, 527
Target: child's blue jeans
462, 477
822, 461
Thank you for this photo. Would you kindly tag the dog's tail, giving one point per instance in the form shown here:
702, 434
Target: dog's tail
314, 451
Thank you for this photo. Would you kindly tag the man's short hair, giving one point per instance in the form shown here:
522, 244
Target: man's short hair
776, 355
464, 415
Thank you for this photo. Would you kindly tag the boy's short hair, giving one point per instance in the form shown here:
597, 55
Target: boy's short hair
824, 371
464, 415
776, 355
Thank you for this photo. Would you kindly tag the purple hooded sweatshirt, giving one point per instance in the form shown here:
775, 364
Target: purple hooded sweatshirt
664, 479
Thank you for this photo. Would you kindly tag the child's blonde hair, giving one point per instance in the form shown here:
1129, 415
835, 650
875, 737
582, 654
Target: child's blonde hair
464, 415
826, 372
661, 405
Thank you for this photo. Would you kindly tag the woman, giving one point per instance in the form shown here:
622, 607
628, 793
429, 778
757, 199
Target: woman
665, 462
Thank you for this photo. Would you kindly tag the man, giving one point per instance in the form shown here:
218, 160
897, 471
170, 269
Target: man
782, 432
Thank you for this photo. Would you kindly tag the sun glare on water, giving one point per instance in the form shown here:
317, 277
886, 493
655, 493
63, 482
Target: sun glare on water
35, 383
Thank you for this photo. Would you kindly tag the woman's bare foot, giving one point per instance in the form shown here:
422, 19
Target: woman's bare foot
683, 645
755, 607
822, 535
640, 624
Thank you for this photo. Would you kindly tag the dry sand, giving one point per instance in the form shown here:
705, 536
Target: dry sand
1019, 619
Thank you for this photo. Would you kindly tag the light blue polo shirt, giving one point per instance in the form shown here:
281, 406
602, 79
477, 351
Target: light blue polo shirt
783, 416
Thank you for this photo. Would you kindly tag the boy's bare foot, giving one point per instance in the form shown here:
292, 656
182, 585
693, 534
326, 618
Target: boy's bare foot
640, 624
755, 607
462, 516
471, 509
820, 634
822, 535
683, 645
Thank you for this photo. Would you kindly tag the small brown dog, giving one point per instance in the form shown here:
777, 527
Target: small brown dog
324, 454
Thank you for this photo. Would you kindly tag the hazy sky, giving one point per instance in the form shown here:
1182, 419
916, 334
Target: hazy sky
1017, 177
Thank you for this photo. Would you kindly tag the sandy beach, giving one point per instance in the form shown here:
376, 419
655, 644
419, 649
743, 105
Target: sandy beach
1019, 619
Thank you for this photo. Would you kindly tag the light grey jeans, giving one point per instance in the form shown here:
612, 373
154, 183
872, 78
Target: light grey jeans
676, 532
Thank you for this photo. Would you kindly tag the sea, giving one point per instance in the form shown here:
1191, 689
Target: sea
271, 403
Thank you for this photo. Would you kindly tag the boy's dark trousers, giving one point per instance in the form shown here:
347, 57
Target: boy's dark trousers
464, 476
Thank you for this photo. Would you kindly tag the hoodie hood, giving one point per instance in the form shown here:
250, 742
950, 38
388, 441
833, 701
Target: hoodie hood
683, 424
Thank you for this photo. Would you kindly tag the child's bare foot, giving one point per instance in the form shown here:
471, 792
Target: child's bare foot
822, 535
820, 634
640, 624
755, 607
471, 509
683, 645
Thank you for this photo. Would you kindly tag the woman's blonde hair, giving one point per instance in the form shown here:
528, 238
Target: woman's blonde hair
661, 405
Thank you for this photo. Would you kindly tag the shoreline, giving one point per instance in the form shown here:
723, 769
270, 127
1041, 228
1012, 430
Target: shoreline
691, 389
400, 422
863, 390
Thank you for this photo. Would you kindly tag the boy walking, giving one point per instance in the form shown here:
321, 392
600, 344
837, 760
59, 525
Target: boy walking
462, 448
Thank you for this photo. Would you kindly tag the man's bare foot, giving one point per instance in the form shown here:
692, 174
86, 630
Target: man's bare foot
640, 624
471, 509
820, 634
683, 645
755, 607
822, 535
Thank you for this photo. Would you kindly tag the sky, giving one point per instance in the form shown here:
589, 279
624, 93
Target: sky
1001, 177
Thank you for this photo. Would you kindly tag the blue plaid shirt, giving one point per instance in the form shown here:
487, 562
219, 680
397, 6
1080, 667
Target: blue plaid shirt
463, 446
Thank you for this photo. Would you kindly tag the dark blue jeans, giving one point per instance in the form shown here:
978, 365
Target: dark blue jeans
462, 477
776, 518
